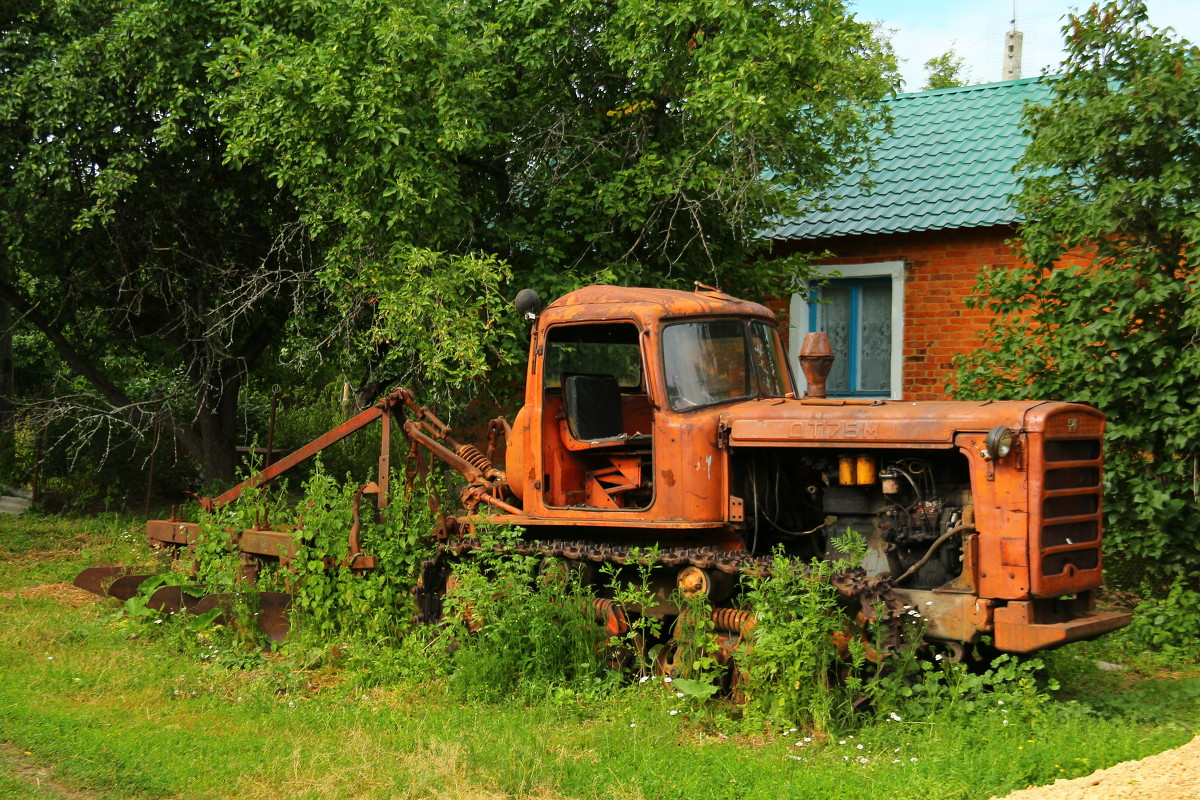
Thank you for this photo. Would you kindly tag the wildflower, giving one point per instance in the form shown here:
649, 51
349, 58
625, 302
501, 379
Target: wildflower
679, 694
929, 603
158, 622
674, 711
863, 760
798, 744
633, 724
859, 746
845, 758
667, 679
643, 679
807, 739
938, 657
999, 702
894, 716
49, 658
913, 759
896, 761
843, 741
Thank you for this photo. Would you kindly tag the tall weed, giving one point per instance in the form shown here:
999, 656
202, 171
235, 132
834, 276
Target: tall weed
521, 627
809, 663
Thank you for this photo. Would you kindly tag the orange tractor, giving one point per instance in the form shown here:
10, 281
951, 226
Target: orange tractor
666, 425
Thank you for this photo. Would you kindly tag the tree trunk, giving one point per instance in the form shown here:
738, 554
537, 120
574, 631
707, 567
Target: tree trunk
212, 439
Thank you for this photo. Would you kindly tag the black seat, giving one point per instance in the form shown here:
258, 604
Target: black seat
593, 407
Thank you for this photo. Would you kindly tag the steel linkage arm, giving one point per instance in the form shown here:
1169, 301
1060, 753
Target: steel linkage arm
420, 427
381, 409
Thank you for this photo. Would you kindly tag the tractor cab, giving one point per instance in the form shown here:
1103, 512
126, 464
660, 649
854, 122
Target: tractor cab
625, 389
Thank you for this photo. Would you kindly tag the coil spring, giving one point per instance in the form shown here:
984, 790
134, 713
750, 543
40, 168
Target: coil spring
612, 615
731, 620
471, 454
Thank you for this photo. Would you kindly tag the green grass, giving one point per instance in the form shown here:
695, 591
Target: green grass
95, 706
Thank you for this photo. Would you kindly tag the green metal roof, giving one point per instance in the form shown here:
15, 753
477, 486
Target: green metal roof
947, 164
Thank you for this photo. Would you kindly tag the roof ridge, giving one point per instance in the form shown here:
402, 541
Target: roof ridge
973, 87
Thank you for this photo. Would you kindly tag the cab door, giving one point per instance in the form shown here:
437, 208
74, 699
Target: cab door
597, 444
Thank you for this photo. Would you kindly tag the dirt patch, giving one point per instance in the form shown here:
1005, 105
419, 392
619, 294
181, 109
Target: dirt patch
65, 594
1173, 775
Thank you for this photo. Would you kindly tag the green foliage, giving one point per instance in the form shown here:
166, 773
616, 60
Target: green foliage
376, 604
698, 670
504, 129
1170, 624
435, 146
1007, 689
211, 191
809, 663
171, 272
438, 312
630, 586
945, 71
1107, 309
522, 628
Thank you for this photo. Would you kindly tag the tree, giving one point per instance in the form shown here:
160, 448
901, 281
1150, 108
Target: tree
160, 274
1108, 309
945, 71
185, 179
573, 142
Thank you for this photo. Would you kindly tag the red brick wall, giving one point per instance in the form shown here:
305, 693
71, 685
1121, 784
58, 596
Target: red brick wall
941, 270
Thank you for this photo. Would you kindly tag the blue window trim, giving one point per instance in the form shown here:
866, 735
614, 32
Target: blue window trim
814, 318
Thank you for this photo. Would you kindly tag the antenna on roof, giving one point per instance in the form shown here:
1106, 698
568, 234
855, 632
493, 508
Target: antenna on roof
1012, 50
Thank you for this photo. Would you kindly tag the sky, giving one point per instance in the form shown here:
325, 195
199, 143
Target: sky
975, 29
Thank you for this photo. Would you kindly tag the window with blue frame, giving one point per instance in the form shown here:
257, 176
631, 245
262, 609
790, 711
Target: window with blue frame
856, 313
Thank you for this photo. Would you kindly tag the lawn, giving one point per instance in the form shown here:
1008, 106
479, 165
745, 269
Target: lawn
94, 705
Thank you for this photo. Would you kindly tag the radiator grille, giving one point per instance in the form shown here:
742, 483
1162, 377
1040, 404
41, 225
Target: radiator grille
1067, 516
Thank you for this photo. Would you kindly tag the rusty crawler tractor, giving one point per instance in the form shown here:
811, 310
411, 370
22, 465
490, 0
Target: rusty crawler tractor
667, 422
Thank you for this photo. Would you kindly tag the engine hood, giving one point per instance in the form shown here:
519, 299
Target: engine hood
885, 423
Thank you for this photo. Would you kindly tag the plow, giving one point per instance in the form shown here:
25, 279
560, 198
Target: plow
667, 430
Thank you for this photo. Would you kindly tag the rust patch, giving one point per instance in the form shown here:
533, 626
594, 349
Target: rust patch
668, 477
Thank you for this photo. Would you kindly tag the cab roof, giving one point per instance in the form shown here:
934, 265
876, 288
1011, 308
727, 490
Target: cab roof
608, 302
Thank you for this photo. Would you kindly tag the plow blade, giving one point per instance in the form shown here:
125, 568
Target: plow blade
126, 586
272, 615
97, 579
175, 598
110, 582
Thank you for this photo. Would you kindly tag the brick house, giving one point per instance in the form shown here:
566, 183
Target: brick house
906, 254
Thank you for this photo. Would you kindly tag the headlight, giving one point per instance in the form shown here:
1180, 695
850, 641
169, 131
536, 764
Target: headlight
998, 443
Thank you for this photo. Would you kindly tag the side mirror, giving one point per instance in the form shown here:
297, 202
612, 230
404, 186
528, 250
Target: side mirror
528, 303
